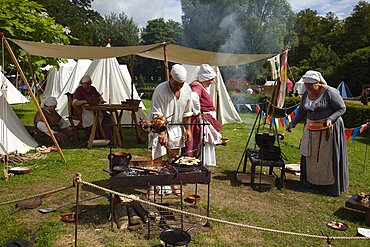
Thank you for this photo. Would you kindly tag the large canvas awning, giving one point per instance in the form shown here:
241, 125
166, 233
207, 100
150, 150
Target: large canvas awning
175, 53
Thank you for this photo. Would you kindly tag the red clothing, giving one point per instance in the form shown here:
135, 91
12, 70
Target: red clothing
206, 105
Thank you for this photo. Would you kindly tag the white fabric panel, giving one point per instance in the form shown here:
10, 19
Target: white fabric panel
13, 96
57, 78
71, 85
222, 102
299, 86
115, 86
13, 134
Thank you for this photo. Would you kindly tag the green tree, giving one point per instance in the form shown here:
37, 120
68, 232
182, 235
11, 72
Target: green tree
78, 16
357, 29
27, 20
158, 31
119, 28
354, 70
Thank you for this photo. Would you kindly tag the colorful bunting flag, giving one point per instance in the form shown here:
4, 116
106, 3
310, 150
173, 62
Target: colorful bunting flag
354, 134
285, 121
348, 133
282, 122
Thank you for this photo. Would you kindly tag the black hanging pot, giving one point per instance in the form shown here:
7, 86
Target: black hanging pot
120, 159
176, 237
265, 140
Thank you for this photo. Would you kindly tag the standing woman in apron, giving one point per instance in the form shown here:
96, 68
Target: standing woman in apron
324, 162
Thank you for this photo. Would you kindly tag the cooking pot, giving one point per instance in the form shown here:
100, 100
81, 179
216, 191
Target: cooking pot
120, 159
176, 237
265, 140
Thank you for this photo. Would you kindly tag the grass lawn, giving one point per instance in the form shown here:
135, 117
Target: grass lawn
293, 209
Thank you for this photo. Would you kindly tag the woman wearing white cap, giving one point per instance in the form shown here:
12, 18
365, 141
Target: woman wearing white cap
204, 111
62, 131
324, 163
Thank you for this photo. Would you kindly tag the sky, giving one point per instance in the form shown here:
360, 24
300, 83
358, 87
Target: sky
143, 10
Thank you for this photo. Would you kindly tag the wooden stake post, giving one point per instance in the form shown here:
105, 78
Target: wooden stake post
166, 62
32, 95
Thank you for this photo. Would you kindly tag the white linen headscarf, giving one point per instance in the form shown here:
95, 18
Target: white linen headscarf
179, 73
206, 72
312, 76
49, 101
84, 79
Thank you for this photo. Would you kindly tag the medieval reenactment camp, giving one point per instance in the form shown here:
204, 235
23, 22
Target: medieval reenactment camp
184, 123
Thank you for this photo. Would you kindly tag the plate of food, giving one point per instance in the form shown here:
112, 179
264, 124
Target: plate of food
336, 225
316, 126
187, 161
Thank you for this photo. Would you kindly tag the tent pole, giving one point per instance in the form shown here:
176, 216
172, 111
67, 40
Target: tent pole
32, 95
33, 78
132, 76
217, 106
166, 62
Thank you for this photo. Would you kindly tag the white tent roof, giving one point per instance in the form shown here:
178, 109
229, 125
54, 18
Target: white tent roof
225, 107
57, 78
13, 96
71, 85
299, 87
13, 134
344, 90
115, 86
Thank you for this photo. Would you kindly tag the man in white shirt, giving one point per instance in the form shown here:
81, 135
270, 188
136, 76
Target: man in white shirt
171, 99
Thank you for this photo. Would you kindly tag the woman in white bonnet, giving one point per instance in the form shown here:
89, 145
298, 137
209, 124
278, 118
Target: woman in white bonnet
324, 162
204, 111
62, 131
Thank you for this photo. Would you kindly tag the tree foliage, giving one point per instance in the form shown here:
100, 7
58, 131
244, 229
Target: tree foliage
77, 15
27, 20
333, 46
158, 31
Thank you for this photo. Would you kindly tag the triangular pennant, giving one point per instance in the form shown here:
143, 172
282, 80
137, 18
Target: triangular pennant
354, 134
348, 133
289, 118
285, 121
269, 118
258, 109
276, 121
282, 122
296, 111
291, 115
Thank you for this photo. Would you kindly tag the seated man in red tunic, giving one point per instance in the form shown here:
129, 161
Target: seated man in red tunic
62, 131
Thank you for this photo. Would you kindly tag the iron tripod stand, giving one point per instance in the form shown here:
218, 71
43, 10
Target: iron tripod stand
256, 157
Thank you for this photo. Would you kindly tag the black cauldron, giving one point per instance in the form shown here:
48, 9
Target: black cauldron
273, 153
265, 140
120, 159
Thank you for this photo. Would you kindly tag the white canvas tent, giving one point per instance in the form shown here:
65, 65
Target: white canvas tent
13, 96
13, 134
71, 85
57, 78
344, 90
115, 86
299, 87
221, 99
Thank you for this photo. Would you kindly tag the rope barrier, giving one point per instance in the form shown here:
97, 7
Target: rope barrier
135, 198
37, 195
